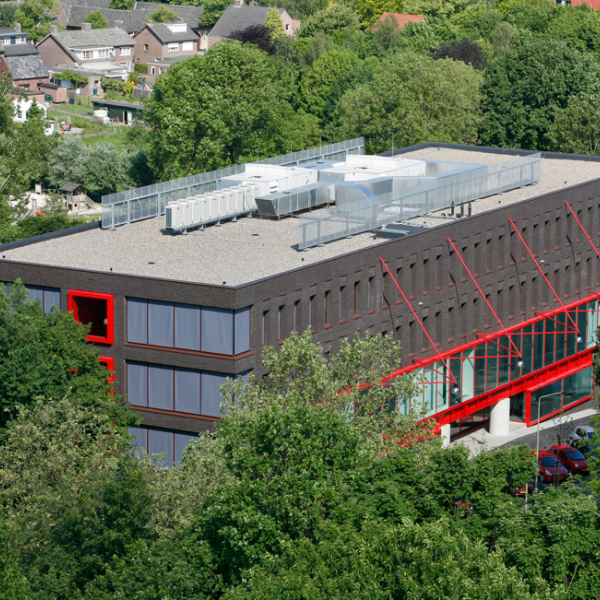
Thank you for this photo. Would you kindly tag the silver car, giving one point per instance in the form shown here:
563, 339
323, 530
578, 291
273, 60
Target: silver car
582, 432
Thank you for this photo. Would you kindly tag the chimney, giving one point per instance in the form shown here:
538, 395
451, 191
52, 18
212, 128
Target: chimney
118, 24
86, 27
53, 29
18, 26
238, 3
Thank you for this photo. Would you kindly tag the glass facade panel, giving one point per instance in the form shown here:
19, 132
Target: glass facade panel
517, 407
538, 346
504, 361
160, 387
217, 330
549, 342
160, 324
560, 337
480, 369
187, 326
211, 393
527, 350
137, 321
468, 375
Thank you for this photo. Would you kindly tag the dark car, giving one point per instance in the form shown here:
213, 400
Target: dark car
551, 469
572, 459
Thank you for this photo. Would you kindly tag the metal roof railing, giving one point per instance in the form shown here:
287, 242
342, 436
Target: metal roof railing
123, 208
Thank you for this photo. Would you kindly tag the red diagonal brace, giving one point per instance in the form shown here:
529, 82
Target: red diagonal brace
484, 298
453, 379
543, 274
589, 239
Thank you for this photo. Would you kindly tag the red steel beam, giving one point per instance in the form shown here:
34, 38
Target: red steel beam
452, 378
589, 239
543, 274
484, 298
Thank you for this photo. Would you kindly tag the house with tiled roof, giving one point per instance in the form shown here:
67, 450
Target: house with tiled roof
26, 68
238, 17
163, 41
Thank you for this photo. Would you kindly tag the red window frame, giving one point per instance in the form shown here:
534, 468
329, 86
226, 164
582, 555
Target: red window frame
109, 363
110, 302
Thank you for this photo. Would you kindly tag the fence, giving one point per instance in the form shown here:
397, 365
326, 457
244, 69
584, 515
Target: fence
374, 203
150, 201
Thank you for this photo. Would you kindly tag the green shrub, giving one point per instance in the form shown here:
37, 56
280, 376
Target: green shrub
141, 68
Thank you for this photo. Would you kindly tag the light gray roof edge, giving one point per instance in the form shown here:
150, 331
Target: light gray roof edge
187, 36
75, 38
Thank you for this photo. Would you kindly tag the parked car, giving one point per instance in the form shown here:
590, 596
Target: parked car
582, 432
521, 491
551, 469
571, 458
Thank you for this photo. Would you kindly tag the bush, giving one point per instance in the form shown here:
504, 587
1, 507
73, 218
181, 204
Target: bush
141, 68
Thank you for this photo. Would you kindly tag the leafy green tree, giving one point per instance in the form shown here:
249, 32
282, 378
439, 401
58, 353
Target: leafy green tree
98, 167
213, 9
223, 108
466, 51
387, 34
46, 355
416, 99
163, 14
122, 4
97, 19
331, 21
579, 27
115, 85
7, 14
319, 80
274, 24
36, 17
525, 88
576, 128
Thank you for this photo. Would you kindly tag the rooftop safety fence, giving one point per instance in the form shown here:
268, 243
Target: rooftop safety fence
370, 204
132, 205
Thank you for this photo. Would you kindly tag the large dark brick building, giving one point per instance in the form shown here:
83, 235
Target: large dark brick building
176, 315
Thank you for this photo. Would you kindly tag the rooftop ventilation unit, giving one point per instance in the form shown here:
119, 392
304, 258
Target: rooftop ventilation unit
174, 216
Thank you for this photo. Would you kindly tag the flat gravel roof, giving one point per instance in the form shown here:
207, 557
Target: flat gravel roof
252, 248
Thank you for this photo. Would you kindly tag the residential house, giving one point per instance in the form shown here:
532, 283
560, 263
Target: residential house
12, 35
161, 41
26, 68
238, 17
401, 19
75, 13
90, 52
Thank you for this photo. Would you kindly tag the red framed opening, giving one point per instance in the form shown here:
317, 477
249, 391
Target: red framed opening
109, 363
95, 309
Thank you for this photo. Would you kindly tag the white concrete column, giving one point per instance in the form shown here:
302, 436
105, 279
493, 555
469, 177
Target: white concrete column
445, 435
500, 417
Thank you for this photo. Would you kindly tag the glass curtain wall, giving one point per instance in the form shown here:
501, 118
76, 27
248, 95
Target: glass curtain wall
491, 364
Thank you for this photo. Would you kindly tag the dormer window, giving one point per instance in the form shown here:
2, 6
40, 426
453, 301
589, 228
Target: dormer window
177, 27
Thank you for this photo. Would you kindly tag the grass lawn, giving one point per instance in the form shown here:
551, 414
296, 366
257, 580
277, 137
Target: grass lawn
113, 136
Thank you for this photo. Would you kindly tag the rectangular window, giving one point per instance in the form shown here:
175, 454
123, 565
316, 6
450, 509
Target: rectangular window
152, 440
356, 297
173, 48
342, 308
264, 327
327, 308
310, 312
104, 53
94, 309
145, 47
152, 71
279, 323
187, 46
126, 51
175, 389
88, 55
48, 297
370, 294
296, 323
188, 327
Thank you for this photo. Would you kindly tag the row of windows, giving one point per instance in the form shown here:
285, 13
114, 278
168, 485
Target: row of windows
47, 296
188, 327
175, 389
490, 365
171, 443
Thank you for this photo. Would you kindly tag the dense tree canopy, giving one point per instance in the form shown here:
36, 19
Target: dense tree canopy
97, 19
523, 90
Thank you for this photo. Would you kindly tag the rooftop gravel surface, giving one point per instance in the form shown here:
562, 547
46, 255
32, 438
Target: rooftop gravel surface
252, 248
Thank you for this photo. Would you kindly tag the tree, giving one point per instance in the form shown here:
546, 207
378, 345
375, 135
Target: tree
319, 80
46, 355
36, 17
576, 128
115, 85
163, 14
122, 4
213, 9
99, 167
223, 108
525, 88
7, 14
97, 19
386, 33
466, 51
331, 21
274, 24
416, 99
259, 35
579, 27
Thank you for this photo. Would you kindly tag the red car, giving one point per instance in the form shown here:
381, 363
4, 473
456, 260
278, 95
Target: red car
551, 469
572, 459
